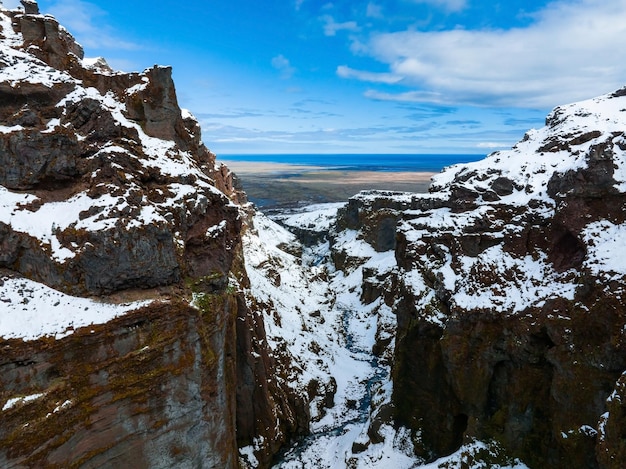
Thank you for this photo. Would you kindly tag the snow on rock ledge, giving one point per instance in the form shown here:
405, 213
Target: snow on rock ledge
105, 184
510, 294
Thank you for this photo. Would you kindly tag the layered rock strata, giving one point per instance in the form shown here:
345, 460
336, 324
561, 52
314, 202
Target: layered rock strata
107, 192
510, 294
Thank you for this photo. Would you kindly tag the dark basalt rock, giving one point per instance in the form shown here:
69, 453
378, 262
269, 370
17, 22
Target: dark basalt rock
546, 381
169, 385
31, 158
30, 7
264, 408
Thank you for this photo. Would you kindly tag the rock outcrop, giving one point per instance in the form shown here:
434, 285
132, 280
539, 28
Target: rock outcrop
107, 192
510, 294
115, 148
155, 387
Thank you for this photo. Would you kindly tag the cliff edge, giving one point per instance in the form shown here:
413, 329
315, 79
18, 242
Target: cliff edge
123, 330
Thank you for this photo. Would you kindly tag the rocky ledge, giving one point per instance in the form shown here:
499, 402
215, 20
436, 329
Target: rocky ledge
510, 294
124, 334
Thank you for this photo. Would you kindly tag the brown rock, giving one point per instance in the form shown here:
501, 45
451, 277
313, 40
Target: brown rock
153, 387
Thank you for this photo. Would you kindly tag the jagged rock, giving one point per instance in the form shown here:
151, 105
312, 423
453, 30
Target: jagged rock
107, 189
46, 39
82, 144
510, 312
611, 448
508, 296
155, 107
30, 7
265, 411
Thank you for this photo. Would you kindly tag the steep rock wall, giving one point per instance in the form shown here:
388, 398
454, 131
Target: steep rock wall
107, 190
509, 294
155, 387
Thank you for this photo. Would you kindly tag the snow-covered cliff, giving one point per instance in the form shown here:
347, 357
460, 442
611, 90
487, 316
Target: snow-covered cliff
120, 305
480, 324
509, 284
148, 313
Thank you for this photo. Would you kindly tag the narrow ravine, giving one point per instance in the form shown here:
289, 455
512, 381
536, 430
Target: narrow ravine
318, 314
348, 423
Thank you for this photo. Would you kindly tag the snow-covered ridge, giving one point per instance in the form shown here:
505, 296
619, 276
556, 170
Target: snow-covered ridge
504, 271
500, 276
104, 181
564, 144
580, 153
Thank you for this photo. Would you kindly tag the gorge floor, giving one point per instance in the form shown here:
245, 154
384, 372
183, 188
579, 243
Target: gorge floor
318, 312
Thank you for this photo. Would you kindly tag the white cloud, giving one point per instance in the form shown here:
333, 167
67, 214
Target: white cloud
493, 145
84, 20
572, 51
331, 27
449, 5
408, 97
389, 78
282, 64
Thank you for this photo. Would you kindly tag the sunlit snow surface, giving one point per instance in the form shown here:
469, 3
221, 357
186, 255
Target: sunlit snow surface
30, 310
343, 333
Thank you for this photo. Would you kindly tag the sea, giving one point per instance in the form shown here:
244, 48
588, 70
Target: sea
363, 162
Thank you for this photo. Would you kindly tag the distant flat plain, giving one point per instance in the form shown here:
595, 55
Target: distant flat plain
276, 185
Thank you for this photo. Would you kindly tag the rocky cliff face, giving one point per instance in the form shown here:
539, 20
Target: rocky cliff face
145, 315
509, 304
154, 387
140, 195
108, 194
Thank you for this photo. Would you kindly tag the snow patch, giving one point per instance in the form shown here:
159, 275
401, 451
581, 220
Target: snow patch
23, 302
9, 404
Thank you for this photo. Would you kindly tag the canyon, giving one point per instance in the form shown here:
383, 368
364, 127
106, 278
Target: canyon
150, 313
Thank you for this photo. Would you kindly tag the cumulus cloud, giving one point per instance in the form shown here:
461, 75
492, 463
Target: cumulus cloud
346, 72
571, 51
331, 27
282, 64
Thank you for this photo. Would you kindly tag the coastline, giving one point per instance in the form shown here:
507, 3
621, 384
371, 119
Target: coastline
276, 185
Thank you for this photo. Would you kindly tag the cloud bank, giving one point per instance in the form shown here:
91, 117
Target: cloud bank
571, 50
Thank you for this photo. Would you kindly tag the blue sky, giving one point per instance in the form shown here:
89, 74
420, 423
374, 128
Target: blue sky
370, 76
